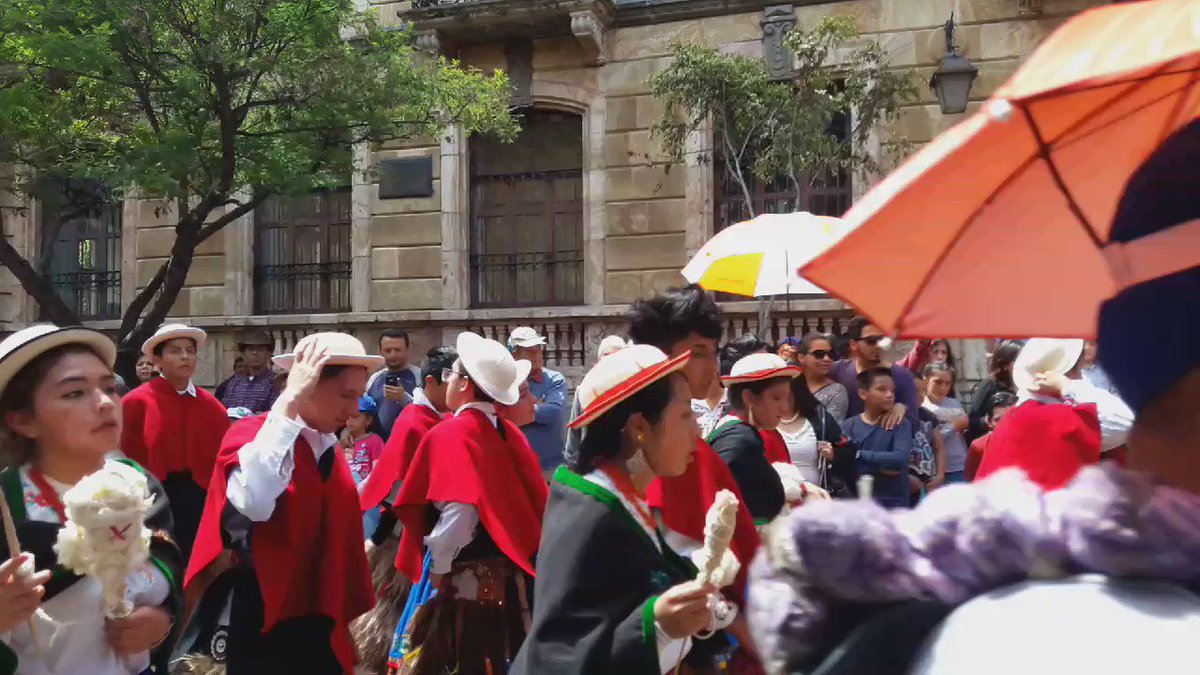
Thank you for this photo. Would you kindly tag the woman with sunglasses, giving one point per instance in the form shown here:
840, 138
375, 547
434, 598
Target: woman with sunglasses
61, 421
816, 359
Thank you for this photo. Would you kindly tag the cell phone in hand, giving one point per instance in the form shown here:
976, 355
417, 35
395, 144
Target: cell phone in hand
392, 380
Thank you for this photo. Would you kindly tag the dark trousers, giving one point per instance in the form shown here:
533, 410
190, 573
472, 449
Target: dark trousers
292, 646
186, 499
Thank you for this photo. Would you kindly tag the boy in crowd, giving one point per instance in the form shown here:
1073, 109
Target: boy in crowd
882, 453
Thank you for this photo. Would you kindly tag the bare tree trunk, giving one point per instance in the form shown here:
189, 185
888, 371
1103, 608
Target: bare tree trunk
51, 306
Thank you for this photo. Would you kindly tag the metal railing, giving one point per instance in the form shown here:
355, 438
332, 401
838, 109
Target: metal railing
93, 295
317, 288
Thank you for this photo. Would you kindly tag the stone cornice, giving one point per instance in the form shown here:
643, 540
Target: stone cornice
641, 12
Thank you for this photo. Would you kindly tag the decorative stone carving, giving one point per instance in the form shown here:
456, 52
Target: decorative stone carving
776, 22
589, 30
518, 55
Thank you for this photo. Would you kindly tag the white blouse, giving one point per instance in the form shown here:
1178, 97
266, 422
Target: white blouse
802, 448
71, 635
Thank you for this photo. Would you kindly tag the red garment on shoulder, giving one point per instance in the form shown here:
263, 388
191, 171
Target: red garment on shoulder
1051, 442
774, 446
309, 557
410, 427
168, 432
684, 500
464, 459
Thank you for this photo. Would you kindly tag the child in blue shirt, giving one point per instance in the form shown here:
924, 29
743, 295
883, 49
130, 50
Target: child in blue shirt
882, 453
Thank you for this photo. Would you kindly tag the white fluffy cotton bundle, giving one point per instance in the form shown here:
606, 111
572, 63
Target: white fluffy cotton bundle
105, 536
718, 565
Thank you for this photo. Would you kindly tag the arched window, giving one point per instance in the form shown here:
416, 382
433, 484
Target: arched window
527, 214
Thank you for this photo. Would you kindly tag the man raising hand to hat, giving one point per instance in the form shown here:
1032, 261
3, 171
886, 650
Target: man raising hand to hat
283, 503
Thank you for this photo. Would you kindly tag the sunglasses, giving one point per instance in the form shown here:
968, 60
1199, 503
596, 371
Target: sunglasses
872, 339
821, 354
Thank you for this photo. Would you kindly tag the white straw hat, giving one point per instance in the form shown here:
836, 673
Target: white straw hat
1045, 355
611, 345
170, 331
342, 350
492, 367
759, 366
525, 336
620, 375
25, 345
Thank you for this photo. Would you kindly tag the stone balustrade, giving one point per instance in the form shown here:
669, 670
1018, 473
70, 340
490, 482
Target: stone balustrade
573, 333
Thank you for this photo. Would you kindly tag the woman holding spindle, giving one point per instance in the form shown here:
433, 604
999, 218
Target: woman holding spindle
61, 419
611, 596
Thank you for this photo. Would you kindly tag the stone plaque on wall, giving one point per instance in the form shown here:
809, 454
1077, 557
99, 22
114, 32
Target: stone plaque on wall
776, 22
406, 178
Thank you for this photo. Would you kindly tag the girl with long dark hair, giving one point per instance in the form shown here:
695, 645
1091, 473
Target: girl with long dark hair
611, 595
999, 379
816, 358
813, 439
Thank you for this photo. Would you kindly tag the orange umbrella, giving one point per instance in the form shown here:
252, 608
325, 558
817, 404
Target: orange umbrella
1000, 225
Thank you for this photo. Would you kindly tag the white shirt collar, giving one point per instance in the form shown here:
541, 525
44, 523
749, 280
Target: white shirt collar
318, 441
190, 389
488, 409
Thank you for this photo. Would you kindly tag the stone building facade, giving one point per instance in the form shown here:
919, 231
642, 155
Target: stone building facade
562, 229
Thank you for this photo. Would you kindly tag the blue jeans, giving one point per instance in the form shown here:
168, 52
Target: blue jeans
954, 477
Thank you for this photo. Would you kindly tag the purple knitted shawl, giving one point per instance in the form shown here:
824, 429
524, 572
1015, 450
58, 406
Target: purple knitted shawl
964, 540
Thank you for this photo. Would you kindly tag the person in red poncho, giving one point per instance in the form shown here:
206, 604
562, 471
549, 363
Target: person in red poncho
174, 428
281, 539
428, 408
1062, 424
474, 496
688, 319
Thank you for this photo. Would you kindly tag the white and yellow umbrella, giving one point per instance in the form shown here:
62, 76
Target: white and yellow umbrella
760, 257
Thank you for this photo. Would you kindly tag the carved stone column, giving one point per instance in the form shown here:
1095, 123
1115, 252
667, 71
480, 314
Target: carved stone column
239, 265
456, 233
360, 230
776, 22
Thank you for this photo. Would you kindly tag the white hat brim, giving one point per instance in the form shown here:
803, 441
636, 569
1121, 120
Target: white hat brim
368, 361
188, 332
12, 362
1024, 379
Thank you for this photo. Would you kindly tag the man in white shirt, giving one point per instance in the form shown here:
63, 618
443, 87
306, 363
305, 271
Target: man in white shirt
283, 508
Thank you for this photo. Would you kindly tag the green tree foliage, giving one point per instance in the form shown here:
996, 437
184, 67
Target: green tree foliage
211, 106
781, 129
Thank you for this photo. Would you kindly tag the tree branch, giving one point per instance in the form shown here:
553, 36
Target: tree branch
233, 214
37, 286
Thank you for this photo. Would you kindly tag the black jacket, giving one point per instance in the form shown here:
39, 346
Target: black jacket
741, 448
598, 577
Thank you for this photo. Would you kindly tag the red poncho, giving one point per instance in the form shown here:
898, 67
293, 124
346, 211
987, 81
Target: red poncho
684, 500
168, 432
464, 459
774, 446
309, 556
1051, 442
411, 426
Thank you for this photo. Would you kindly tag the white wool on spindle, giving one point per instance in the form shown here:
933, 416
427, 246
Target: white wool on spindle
105, 536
